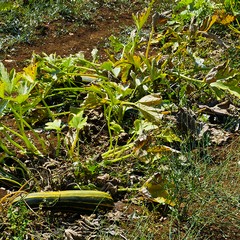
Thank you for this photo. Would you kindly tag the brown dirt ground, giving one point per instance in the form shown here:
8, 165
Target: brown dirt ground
82, 38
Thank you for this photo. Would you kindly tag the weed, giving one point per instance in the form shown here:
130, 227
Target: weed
17, 222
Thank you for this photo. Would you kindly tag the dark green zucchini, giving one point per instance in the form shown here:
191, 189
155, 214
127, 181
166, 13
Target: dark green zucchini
72, 200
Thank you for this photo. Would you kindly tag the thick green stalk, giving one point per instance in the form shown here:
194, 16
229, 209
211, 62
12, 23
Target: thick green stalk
20, 121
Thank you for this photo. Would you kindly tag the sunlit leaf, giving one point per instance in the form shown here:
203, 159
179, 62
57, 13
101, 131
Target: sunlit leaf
30, 72
116, 71
169, 136
141, 18
94, 88
20, 98
137, 61
94, 54
150, 113
8, 6
151, 99
107, 65
231, 88
78, 121
2, 90
4, 77
55, 125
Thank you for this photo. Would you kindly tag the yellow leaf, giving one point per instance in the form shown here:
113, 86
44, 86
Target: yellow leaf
162, 149
213, 20
155, 190
227, 20
30, 72
223, 17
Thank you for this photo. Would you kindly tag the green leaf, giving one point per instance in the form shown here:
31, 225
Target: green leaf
8, 6
94, 88
4, 77
3, 105
20, 98
230, 87
141, 18
107, 66
116, 127
55, 125
169, 136
115, 44
78, 121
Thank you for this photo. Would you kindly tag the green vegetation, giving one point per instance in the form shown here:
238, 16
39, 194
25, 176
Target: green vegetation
155, 124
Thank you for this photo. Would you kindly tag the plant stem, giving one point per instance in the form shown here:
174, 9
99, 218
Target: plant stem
29, 144
71, 152
109, 127
149, 42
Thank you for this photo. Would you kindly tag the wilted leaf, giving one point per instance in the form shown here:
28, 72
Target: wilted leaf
221, 69
92, 100
219, 136
216, 110
162, 149
142, 141
155, 190
150, 113
151, 100
3, 192
223, 18
208, 22
160, 18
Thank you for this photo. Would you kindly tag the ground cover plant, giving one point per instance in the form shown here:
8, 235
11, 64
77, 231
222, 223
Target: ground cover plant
153, 120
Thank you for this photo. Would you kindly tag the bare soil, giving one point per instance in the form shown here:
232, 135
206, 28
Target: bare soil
81, 38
